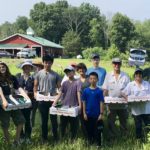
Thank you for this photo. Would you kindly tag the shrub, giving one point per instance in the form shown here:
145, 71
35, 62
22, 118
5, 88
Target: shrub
89, 51
113, 51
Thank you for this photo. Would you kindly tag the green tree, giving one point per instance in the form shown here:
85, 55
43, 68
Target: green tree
21, 24
72, 44
122, 30
7, 29
98, 33
90, 12
48, 20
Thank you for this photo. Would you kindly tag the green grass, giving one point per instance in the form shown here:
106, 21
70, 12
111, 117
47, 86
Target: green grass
121, 143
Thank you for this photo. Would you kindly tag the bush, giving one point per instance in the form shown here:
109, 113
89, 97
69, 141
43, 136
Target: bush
113, 51
89, 51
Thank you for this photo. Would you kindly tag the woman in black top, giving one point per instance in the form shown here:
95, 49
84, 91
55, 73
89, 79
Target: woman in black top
8, 85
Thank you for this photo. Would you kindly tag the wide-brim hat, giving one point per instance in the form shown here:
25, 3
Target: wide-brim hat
37, 63
26, 64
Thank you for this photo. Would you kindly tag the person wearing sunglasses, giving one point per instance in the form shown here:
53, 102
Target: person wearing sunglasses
114, 83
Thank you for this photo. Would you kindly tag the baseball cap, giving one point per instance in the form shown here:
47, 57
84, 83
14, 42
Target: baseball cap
116, 60
138, 70
69, 68
95, 56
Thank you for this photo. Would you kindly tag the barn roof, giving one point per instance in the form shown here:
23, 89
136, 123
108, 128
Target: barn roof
12, 46
39, 40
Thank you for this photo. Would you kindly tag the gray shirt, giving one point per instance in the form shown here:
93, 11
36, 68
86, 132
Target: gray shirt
69, 90
48, 81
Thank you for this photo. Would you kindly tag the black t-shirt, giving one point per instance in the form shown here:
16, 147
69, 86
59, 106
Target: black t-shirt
6, 87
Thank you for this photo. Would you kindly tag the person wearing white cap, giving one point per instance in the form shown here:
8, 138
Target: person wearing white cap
114, 83
26, 81
139, 110
69, 97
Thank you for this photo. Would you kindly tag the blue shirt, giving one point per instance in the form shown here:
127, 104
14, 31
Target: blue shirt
101, 74
92, 98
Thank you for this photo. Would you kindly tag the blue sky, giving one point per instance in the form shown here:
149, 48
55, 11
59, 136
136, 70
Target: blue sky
135, 9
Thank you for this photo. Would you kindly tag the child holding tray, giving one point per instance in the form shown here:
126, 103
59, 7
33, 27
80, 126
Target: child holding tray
139, 110
70, 97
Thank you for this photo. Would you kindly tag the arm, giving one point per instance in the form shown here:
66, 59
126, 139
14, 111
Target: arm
57, 98
35, 89
4, 101
23, 93
79, 99
102, 111
84, 111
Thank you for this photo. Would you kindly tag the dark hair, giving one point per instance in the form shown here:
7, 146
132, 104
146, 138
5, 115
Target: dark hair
7, 78
138, 72
93, 74
81, 66
48, 58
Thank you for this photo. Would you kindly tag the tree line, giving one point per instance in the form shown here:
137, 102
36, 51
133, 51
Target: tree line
81, 28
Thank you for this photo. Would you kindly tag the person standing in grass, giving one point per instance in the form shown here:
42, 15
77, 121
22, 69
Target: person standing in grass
69, 97
47, 81
26, 81
83, 82
139, 110
8, 85
38, 66
93, 108
96, 68
114, 83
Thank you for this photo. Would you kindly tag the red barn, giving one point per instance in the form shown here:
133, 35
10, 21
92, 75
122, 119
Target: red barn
16, 42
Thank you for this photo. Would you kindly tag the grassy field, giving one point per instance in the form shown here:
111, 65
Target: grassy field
121, 143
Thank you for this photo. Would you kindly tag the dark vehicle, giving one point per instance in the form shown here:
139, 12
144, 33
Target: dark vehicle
6, 54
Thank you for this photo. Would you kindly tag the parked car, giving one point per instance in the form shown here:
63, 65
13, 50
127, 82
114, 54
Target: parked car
6, 54
27, 53
137, 57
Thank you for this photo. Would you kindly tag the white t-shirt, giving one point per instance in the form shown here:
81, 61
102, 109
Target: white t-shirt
115, 86
133, 89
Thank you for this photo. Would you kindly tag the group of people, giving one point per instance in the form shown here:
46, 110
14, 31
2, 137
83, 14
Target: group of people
81, 87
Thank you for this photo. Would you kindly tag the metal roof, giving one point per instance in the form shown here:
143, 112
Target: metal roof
12, 46
36, 39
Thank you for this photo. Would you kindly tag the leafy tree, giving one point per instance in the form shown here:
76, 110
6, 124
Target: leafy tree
21, 24
73, 19
98, 33
72, 44
48, 20
7, 29
122, 31
89, 12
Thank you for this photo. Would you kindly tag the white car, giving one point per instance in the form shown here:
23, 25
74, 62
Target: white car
137, 57
26, 53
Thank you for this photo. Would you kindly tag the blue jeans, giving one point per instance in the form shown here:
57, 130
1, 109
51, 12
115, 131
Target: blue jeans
139, 119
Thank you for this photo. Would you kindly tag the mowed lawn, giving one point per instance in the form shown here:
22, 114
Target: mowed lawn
121, 143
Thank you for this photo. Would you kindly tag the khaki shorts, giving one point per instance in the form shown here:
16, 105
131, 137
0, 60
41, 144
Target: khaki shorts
16, 116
